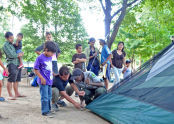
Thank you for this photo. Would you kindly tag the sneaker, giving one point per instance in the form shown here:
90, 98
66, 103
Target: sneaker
61, 103
50, 115
55, 108
2, 99
21, 66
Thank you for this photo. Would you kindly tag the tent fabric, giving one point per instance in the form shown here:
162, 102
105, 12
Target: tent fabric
146, 97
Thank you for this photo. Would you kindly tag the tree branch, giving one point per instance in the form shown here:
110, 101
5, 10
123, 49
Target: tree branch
104, 10
118, 11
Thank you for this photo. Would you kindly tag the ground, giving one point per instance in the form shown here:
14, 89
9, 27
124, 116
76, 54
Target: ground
27, 110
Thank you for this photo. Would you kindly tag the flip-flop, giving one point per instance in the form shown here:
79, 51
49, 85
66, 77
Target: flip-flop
11, 98
2, 99
21, 96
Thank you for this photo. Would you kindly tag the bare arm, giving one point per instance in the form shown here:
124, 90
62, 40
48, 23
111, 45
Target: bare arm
17, 43
2, 65
68, 98
89, 82
37, 52
43, 81
82, 60
76, 62
80, 93
108, 59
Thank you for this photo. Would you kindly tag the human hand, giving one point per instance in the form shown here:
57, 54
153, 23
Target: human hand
103, 63
77, 59
81, 93
77, 105
112, 65
43, 81
6, 71
95, 54
87, 81
20, 54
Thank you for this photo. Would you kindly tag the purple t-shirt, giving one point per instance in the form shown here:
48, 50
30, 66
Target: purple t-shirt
44, 65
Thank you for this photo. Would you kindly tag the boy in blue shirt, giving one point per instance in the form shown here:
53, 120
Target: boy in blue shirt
105, 61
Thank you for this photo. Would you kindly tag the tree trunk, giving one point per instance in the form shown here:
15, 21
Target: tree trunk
43, 32
117, 24
107, 19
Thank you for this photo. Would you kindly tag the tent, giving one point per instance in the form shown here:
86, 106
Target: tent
145, 97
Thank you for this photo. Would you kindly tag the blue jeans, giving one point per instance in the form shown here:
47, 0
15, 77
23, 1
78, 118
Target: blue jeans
117, 72
55, 67
46, 96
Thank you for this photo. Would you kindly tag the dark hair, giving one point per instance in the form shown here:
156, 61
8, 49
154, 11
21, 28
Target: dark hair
0, 54
128, 61
50, 46
91, 40
47, 33
8, 34
77, 46
119, 44
20, 34
101, 40
64, 70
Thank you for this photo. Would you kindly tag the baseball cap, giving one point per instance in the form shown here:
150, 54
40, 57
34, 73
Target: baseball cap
91, 40
76, 72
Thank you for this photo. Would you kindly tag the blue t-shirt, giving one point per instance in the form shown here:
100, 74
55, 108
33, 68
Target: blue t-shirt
127, 72
105, 54
61, 84
44, 65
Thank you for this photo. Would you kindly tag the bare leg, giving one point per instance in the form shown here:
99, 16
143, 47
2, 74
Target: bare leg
15, 86
17, 94
0, 88
20, 60
9, 89
106, 83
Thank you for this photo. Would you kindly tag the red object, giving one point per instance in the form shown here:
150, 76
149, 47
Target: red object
5, 74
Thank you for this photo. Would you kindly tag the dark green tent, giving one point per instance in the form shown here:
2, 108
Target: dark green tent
146, 97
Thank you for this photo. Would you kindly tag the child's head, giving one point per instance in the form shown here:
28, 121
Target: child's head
79, 48
102, 42
78, 75
19, 36
91, 41
64, 73
128, 62
48, 36
9, 37
49, 48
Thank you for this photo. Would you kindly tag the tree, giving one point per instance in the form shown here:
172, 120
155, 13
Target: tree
119, 13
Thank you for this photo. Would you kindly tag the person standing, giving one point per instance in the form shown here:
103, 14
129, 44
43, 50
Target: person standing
92, 55
79, 58
12, 64
55, 55
43, 69
1, 77
118, 60
105, 61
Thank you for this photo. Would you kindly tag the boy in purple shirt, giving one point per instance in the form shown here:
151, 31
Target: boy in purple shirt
43, 69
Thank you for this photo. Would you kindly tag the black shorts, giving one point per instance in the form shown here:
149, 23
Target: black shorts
14, 73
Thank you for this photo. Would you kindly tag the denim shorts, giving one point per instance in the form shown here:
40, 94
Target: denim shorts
18, 51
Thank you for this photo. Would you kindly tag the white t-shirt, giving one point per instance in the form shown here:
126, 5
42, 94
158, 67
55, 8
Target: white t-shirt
54, 58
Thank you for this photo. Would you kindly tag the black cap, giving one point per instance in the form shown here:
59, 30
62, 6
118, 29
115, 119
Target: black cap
76, 72
128, 61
